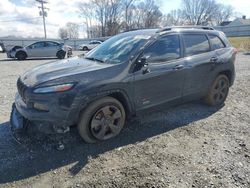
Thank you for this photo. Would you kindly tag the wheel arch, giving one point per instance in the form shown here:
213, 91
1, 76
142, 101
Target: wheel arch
21, 51
119, 95
124, 100
229, 75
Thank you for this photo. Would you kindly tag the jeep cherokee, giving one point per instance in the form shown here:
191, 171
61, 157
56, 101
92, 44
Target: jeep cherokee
128, 73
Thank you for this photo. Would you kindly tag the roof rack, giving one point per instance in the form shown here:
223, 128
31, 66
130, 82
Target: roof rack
186, 27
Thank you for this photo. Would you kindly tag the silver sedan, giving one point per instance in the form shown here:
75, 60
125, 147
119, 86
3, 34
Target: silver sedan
41, 49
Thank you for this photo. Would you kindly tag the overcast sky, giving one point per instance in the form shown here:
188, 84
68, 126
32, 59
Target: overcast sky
21, 17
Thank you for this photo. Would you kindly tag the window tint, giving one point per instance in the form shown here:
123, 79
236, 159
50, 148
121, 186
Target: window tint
164, 49
216, 42
195, 44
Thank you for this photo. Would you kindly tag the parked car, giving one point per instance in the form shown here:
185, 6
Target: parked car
89, 46
127, 74
2, 48
40, 49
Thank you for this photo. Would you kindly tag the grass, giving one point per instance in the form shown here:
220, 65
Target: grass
241, 43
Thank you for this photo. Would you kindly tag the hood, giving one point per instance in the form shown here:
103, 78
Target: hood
59, 69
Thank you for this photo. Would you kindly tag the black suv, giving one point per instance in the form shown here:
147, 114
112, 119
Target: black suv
126, 74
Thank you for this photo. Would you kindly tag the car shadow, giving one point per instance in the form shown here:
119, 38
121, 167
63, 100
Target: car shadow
39, 155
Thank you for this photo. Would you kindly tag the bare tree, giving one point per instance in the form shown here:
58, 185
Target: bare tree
113, 16
63, 33
175, 17
204, 12
127, 6
147, 14
87, 12
198, 12
72, 30
224, 14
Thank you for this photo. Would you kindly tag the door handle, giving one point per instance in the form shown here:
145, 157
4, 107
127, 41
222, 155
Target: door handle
178, 67
214, 60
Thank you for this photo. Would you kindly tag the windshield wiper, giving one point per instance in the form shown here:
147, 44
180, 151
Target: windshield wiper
94, 59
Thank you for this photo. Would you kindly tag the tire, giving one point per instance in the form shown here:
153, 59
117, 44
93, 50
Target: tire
101, 120
85, 48
21, 55
61, 54
218, 91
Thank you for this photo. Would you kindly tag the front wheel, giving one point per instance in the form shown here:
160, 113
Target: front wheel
21, 55
218, 92
61, 54
101, 120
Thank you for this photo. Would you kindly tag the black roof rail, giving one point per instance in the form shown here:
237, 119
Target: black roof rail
186, 27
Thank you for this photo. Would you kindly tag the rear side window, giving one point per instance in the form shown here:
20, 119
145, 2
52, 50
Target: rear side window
51, 44
164, 49
216, 42
195, 44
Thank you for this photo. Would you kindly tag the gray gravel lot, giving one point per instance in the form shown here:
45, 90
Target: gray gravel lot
191, 145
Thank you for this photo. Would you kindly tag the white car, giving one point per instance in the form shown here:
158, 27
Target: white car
89, 46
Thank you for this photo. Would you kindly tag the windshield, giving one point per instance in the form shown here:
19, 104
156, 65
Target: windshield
118, 49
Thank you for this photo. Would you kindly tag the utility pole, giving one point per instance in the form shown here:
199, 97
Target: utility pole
43, 13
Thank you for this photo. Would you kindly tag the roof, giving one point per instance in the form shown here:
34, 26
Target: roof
174, 29
240, 21
224, 23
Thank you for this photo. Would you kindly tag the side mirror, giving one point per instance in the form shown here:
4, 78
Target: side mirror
143, 61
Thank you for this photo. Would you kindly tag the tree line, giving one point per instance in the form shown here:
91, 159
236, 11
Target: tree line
108, 17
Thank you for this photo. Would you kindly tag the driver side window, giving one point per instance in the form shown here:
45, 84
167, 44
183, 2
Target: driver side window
164, 49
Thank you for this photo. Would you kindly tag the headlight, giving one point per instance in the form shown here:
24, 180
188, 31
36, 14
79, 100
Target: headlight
55, 88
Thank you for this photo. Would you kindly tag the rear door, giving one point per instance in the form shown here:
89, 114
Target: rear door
199, 58
163, 82
51, 48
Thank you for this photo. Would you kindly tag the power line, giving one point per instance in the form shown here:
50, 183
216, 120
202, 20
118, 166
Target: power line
43, 13
21, 19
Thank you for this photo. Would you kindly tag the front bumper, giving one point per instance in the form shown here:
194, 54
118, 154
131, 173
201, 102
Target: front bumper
10, 54
18, 126
57, 119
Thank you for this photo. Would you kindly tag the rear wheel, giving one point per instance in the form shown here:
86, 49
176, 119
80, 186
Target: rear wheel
85, 48
218, 92
103, 119
21, 55
60, 54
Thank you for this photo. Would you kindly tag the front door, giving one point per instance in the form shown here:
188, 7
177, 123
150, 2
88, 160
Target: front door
162, 80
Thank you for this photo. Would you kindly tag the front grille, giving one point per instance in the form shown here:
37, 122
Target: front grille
21, 87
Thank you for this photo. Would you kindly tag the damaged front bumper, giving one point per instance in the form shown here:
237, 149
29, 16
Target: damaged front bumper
18, 125
57, 119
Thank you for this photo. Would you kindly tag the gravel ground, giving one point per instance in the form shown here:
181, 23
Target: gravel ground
191, 145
